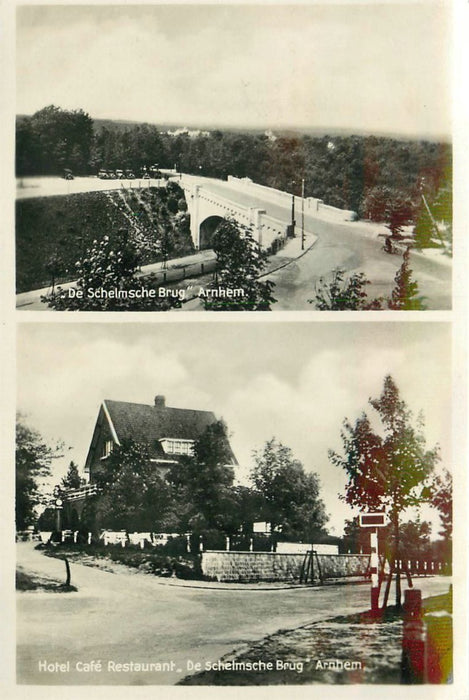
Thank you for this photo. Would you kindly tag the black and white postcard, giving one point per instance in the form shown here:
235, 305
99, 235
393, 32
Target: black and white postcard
271, 500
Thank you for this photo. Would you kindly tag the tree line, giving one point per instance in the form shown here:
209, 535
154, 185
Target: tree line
362, 173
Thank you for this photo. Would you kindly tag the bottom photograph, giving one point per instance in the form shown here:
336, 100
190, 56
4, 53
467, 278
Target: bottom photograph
234, 503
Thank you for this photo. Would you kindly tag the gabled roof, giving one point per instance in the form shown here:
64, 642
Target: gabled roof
150, 424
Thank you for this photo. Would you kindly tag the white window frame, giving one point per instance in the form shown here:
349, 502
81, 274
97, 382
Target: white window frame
177, 446
108, 446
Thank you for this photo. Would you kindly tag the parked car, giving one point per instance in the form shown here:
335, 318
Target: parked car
120, 174
68, 175
130, 175
103, 174
111, 175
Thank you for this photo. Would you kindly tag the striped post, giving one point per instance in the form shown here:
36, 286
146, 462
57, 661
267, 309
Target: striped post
374, 564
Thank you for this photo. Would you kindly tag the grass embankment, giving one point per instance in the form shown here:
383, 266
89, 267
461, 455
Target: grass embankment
340, 651
53, 233
158, 563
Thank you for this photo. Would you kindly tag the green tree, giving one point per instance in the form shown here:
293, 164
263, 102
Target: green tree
390, 469
292, 503
240, 263
424, 230
404, 296
134, 496
33, 464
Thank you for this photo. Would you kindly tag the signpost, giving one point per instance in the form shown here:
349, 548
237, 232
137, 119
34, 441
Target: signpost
374, 521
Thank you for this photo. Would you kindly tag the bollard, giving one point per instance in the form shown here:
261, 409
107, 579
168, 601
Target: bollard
413, 639
227, 544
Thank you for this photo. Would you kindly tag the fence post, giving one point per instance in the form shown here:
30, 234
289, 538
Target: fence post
413, 639
227, 544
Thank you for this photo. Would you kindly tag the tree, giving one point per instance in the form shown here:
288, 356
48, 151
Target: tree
387, 470
291, 497
107, 281
340, 293
424, 230
33, 464
72, 479
404, 296
398, 213
134, 496
240, 262
442, 500
356, 539
202, 483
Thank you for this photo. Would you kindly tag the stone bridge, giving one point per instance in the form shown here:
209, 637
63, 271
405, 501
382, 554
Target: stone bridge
207, 209
210, 201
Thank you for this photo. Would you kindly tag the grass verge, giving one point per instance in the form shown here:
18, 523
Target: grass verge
28, 581
341, 651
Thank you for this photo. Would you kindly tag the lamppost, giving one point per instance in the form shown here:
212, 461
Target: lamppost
302, 213
58, 502
293, 183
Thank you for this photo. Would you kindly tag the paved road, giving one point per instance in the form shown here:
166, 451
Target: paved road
125, 618
28, 187
352, 246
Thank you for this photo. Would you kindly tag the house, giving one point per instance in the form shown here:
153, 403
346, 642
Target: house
168, 433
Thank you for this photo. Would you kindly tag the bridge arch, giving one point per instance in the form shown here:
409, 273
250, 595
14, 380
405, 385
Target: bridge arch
207, 230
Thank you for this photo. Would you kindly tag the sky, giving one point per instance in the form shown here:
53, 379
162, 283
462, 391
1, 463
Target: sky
365, 67
295, 381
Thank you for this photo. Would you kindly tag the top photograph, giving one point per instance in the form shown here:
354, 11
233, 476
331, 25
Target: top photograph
234, 157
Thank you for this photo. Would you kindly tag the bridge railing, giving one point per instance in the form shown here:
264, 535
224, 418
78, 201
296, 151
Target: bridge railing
313, 206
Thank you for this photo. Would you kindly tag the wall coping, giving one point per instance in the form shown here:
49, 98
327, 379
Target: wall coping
281, 554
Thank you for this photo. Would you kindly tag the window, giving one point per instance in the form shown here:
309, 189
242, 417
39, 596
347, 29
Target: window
177, 447
107, 449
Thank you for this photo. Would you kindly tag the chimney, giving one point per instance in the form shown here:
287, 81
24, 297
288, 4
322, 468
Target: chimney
160, 401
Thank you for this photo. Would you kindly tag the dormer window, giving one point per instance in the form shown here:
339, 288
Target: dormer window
107, 449
177, 447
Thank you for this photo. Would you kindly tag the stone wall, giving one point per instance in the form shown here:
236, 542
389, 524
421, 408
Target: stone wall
273, 566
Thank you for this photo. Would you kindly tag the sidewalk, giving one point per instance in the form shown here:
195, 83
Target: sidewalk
31, 301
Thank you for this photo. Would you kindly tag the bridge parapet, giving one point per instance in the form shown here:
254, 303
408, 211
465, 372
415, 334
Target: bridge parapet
204, 205
313, 206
